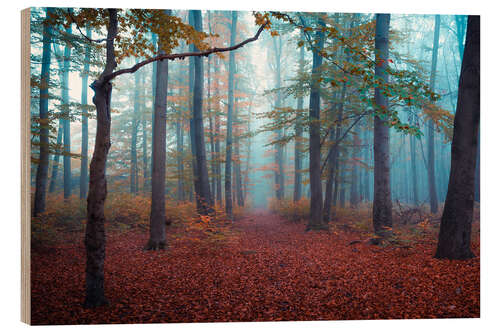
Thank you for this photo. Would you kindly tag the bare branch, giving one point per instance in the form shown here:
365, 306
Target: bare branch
174, 56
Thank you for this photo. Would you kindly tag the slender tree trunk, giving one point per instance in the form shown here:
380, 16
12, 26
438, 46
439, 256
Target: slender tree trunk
180, 156
279, 177
430, 140
237, 165
204, 200
67, 120
145, 164
218, 170
455, 230
95, 239
56, 158
330, 192
230, 107
413, 153
316, 202
354, 196
84, 165
157, 234
342, 186
43, 165
133, 142
297, 189
210, 112
366, 158
382, 203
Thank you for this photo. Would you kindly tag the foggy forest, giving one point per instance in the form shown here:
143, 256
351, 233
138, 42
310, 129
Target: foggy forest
207, 166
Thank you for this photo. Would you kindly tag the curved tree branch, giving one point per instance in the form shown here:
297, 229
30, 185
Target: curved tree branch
174, 56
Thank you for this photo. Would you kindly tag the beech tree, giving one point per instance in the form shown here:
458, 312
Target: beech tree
230, 110
382, 203
430, 123
455, 229
316, 205
145, 21
43, 165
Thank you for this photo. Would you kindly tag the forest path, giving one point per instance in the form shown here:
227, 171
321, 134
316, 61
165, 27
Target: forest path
271, 270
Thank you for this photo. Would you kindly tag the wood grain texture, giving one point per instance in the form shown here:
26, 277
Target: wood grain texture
25, 168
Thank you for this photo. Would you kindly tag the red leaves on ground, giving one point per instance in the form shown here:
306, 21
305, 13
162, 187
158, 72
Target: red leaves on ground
273, 271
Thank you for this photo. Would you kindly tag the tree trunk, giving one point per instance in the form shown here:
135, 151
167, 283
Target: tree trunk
237, 165
316, 202
204, 201
180, 156
84, 165
145, 164
56, 158
455, 230
218, 171
157, 237
67, 120
354, 196
297, 189
382, 204
413, 153
95, 239
279, 177
477, 182
133, 142
430, 140
43, 165
230, 107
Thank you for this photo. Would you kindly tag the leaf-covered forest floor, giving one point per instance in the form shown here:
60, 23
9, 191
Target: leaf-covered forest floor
269, 269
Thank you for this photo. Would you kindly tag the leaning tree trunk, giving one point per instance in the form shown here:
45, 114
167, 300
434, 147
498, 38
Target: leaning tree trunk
84, 167
316, 202
229, 135
430, 140
455, 230
382, 204
43, 164
95, 238
157, 234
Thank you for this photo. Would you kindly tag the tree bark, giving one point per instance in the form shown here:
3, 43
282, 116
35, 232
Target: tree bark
413, 154
316, 202
56, 158
279, 177
229, 135
67, 121
157, 224
95, 238
204, 200
43, 165
431, 164
237, 165
297, 188
382, 203
84, 165
133, 142
456, 222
